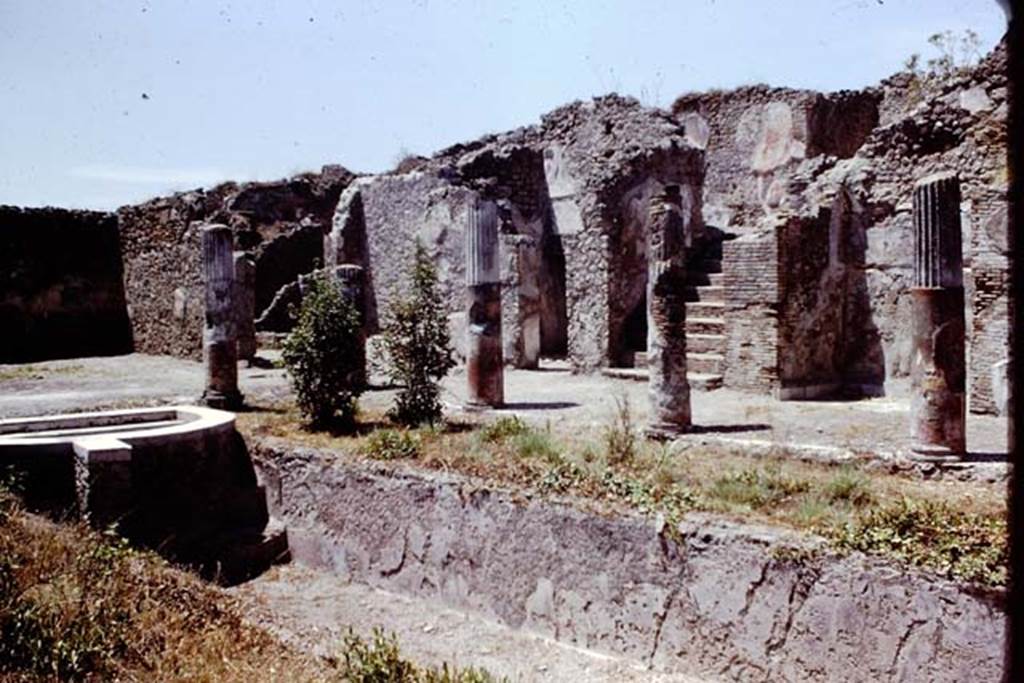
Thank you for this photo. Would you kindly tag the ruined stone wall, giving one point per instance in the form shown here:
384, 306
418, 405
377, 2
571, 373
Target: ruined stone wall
280, 222
707, 597
934, 124
756, 135
61, 294
603, 159
561, 188
777, 153
812, 293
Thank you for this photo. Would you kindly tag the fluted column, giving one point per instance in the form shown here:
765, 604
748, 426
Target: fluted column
938, 375
484, 356
668, 388
219, 345
245, 304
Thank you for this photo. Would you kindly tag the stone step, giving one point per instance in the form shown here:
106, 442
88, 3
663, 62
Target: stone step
698, 325
705, 309
700, 278
246, 552
699, 381
705, 363
705, 343
709, 293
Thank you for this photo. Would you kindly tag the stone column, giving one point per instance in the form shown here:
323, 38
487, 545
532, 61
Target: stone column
245, 304
219, 346
484, 357
668, 388
938, 404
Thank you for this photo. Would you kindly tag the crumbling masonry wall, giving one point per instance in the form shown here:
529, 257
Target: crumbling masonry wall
160, 245
564, 189
61, 294
776, 154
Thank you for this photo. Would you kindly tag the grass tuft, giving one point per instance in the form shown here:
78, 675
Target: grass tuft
503, 428
392, 444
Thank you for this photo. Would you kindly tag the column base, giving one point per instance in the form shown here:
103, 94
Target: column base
665, 431
231, 400
923, 452
479, 407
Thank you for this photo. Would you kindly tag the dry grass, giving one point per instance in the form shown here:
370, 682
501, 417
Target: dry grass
14, 373
78, 605
845, 503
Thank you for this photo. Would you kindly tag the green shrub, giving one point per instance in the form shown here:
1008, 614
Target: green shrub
932, 535
323, 354
392, 444
417, 342
850, 486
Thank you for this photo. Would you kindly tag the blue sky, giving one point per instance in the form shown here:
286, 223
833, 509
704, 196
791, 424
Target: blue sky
105, 102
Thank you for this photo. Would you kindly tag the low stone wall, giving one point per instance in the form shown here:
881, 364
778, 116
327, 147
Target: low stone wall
720, 601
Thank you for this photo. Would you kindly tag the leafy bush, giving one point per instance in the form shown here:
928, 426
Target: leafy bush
392, 444
417, 341
323, 355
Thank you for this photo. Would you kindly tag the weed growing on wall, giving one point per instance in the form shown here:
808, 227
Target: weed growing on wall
418, 343
322, 355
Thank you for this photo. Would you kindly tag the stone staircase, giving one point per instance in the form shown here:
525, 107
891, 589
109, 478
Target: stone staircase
705, 324
705, 329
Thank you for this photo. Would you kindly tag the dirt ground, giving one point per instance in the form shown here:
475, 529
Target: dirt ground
312, 611
552, 396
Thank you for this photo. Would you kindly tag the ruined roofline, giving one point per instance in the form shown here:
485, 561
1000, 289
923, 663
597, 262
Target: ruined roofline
689, 101
229, 187
50, 209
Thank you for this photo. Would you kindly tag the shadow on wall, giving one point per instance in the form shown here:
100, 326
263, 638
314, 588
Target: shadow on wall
829, 344
63, 294
862, 358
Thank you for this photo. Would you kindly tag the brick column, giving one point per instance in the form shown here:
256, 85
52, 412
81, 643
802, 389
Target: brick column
938, 401
668, 388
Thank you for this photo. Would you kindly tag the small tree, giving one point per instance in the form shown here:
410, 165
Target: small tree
417, 341
322, 355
